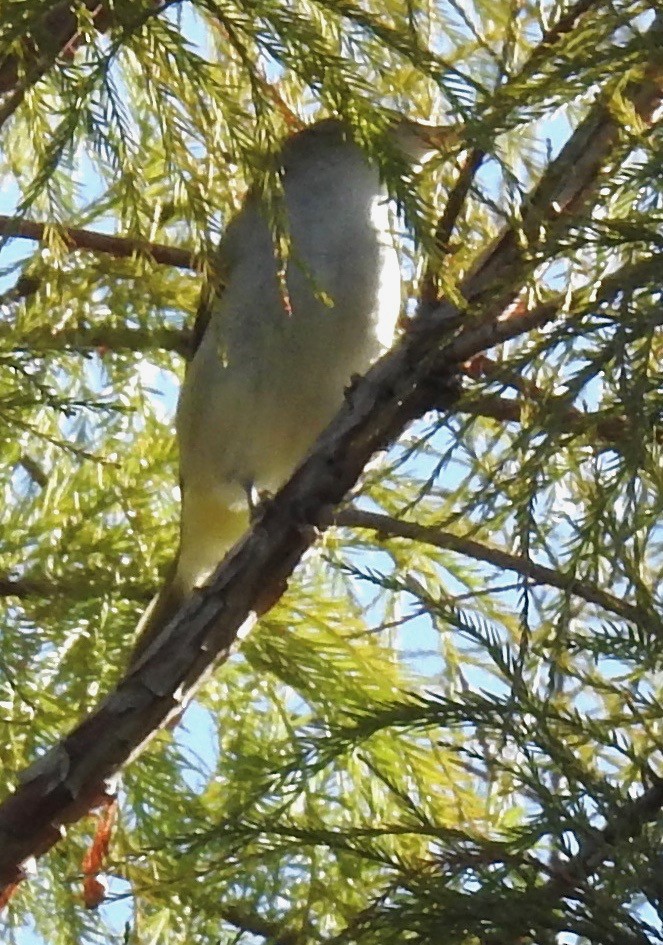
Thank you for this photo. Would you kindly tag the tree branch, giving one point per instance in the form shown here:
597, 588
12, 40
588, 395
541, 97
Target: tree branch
410, 379
458, 195
624, 825
273, 932
55, 33
569, 880
119, 246
101, 337
34, 471
612, 429
29, 588
388, 526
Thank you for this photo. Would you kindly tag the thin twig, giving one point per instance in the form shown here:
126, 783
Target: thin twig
569, 879
446, 225
252, 924
388, 526
611, 430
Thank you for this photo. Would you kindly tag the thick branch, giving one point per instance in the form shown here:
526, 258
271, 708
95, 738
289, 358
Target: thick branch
24, 588
55, 33
119, 246
387, 526
65, 782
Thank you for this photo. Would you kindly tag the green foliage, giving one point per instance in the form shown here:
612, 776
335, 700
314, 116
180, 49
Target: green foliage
424, 742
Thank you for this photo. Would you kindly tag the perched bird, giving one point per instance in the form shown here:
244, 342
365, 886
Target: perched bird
275, 351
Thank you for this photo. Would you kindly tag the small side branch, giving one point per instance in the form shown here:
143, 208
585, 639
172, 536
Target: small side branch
122, 247
100, 338
390, 527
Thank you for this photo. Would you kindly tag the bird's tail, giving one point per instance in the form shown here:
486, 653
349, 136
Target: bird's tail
209, 528
159, 611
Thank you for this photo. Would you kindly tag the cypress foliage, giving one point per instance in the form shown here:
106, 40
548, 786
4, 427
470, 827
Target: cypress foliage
449, 728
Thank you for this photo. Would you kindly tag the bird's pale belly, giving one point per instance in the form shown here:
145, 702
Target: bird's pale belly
254, 409
265, 421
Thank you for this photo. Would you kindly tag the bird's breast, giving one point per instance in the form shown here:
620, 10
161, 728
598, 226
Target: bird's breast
281, 348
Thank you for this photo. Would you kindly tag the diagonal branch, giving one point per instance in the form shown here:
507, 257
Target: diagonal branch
55, 33
388, 526
412, 378
458, 195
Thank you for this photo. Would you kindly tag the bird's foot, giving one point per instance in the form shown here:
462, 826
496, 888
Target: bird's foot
351, 387
257, 500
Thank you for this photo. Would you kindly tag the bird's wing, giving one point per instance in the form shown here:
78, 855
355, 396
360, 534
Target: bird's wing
222, 264
212, 289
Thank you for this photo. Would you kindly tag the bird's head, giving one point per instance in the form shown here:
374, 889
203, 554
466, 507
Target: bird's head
418, 141
414, 142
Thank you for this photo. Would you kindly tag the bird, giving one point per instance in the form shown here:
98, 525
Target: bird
282, 338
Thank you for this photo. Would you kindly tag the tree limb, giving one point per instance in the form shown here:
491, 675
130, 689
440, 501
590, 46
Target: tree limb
55, 33
388, 526
29, 588
458, 195
52, 36
101, 337
121, 247
412, 378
